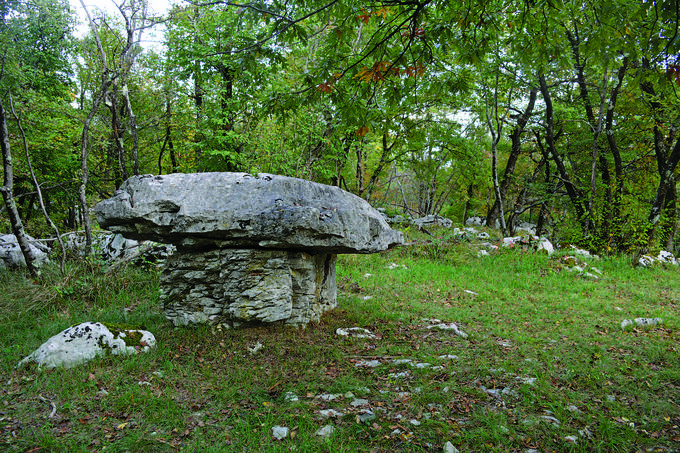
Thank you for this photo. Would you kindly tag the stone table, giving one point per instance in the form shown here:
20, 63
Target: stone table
250, 249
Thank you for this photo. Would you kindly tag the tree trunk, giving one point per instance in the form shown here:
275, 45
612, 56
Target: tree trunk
7, 195
373, 181
666, 164
38, 191
575, 195
515, 151
117, 129
132, 127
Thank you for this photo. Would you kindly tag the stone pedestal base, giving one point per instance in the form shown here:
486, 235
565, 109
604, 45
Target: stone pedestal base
232, 287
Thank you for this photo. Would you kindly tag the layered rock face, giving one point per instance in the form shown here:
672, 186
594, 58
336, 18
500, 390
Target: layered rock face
249, 249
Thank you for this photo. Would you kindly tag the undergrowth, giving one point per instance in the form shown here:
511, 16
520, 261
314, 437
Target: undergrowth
545, 365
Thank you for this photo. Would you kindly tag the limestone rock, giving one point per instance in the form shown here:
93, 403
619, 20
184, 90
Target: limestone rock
11, 256
234, 287
279, 432
115, 246
430, 220
86, 341
325, 432
238, 210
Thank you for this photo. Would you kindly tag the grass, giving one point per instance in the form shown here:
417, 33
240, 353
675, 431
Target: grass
546, 365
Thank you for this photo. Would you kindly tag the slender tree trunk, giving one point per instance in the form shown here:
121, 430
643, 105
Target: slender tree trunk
38, 190
117, 129
667, 160
496, 128
373, 181
515, 151
575, 195
7, 195
615, 210
132, 126
360, 169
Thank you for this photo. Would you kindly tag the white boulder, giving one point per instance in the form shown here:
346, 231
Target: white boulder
84, 342
11, 255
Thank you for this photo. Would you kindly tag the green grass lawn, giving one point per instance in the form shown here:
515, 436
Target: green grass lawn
545, 366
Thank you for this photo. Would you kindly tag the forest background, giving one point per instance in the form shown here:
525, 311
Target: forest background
561, 113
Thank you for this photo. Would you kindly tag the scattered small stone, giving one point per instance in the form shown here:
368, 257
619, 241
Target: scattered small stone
255, 348
368, 363
329, 396
144, 383
402, 375
402, 361
611, 398
551, 419
330, 413
507, 391
449, 448
367, 275
573, 409
414, 422
582, 252
363, 389
526, 380
365, 416
641, 322
489, 245
325, 432
357, 332
470, 292
403, 395
422, 365
349, 395
291, 397
396, 266
482, 253
157, 373
279, 432
448, 356
585, 432
359, 402
571, 439
449, 326
366, 297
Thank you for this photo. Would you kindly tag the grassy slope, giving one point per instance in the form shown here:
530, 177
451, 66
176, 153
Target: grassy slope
201, 390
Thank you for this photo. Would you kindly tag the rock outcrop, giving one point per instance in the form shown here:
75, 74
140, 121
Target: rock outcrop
249, 248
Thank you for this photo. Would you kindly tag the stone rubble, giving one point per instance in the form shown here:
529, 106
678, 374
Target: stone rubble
641, 322
664, 257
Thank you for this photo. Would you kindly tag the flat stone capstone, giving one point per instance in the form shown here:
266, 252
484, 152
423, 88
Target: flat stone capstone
250, 249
